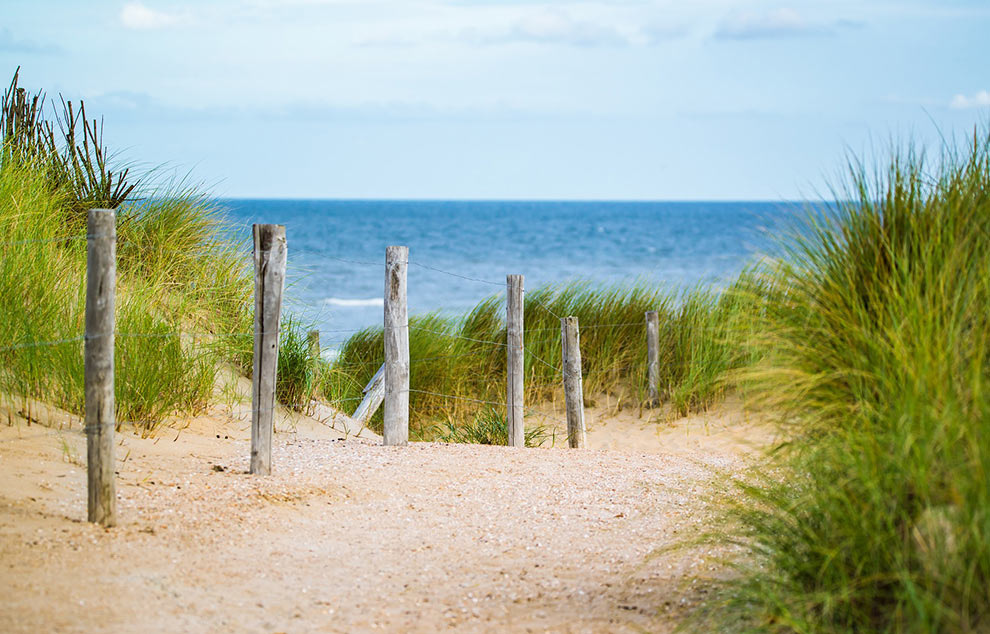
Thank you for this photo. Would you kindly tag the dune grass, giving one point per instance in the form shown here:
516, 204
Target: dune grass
458, 365
65, 146
489, 427
177, 273
159, 370
875, 349
299, 367
184, 288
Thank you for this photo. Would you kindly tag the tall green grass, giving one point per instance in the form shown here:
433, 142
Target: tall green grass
177, 272
875, 349
299, 367
458, 365
42, 272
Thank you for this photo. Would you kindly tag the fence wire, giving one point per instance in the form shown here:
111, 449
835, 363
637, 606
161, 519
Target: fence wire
453, 336
463, 277
546, 363
453, 396
38, 344
448, 356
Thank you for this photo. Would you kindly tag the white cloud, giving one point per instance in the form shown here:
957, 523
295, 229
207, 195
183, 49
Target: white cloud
135, 15
587, 26
784, 22
548, 27
962, 102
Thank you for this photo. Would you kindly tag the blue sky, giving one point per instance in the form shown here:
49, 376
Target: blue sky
608, 99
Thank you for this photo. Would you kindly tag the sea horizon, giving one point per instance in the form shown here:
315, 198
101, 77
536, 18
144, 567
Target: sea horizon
461, 250
510, 199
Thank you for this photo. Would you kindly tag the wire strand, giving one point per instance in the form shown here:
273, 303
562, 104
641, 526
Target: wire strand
460, 398
549, 365
546, 308
35, 344
448, 356
463, 277
453, 336
348, 260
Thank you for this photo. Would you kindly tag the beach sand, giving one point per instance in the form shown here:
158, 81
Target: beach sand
350, 536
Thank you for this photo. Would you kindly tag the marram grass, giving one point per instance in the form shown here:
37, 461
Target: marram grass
875, 349
458, 365
183, 290
159, 371
489, 427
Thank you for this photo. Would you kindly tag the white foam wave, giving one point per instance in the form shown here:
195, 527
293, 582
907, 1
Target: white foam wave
354, 303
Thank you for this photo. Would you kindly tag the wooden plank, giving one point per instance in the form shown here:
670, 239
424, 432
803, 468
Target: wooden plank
270, 251
514, 343
396, 428
573, 383
653, 356
339, 421
98, 364
375, 380
374, 393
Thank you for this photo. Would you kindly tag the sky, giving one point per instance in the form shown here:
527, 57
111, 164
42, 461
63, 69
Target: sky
520, 99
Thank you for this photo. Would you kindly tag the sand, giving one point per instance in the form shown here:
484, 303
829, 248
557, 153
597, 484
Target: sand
350, 536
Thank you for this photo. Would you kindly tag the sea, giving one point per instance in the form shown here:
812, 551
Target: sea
461, 251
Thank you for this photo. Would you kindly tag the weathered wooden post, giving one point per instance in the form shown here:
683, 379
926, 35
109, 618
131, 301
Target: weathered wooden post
514, 342
573, 384
653, 356
374, 394
101, 281
313, 338
315, 354
396, 429
270, 251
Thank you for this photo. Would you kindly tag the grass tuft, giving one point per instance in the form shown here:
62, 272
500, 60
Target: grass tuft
489, 427
875, 350
298, 366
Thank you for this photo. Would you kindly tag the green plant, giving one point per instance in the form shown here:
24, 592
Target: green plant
183, 289
298, 368
69, 151
159, 370
875, 350
457, 362
489, 428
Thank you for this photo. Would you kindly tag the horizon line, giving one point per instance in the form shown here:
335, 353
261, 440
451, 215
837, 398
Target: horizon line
528, 200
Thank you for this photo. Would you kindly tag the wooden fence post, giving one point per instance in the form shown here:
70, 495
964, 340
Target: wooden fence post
101, 281
653, 355
573, 384
270, 252
514, 342
313, 338
396, 429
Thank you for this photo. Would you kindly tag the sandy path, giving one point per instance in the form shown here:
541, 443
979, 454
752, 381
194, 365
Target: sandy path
349, 536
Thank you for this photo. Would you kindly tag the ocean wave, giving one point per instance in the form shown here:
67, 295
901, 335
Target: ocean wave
354, 303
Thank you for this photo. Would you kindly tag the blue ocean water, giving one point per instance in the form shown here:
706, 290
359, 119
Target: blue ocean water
337, 248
